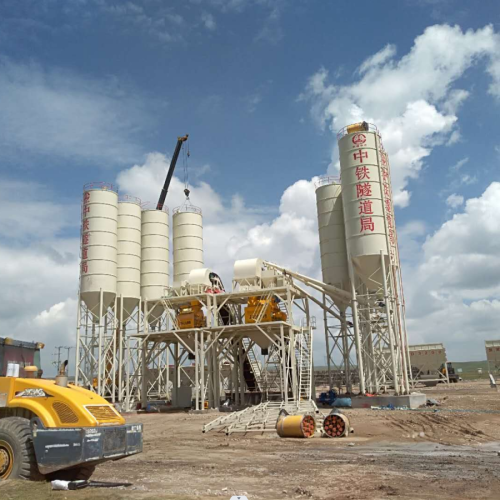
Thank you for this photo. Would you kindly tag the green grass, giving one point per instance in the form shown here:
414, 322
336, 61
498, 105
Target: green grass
470, 369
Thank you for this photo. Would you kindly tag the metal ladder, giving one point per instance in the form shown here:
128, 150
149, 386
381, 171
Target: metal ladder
305, 365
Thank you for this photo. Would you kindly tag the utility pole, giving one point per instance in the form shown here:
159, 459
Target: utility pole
57, 353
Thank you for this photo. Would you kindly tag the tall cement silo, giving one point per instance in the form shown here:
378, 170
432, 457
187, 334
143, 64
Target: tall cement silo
378, 309
128, 258
331, 227
363, 202
188, 242
335, 272
99, 247
155, 262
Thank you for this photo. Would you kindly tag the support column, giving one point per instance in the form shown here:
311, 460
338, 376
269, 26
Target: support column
359, 353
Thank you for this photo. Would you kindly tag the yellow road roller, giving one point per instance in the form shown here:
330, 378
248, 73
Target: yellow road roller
52, 429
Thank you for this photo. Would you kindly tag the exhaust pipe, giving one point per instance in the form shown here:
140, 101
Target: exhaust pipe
62, 377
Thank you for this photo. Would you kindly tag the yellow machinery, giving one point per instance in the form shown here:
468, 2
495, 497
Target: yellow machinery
263, 310
357, 127
191, 316
56, 430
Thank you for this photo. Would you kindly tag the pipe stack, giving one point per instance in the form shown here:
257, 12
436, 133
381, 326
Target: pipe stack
336, 425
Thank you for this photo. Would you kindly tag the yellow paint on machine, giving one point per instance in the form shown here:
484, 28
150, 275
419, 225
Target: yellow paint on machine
296, 426
69, 406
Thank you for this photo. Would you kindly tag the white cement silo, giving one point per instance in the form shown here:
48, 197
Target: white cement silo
363, 203
154, 258
188, 242
98, 247
331, 227
128, 283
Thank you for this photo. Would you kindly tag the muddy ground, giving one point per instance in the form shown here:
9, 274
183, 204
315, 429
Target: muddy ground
392, 454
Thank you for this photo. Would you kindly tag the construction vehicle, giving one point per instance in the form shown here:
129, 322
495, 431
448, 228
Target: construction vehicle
171, 168
452, 376
52, 429
263, 310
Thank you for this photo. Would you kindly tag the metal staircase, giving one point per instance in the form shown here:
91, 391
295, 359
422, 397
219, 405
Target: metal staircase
305, 363
254, 364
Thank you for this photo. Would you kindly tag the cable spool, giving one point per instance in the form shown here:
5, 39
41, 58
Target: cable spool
336, 425
298, 426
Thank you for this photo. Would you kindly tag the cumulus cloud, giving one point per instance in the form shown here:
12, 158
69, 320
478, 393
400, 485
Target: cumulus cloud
233, 230
413, 100
453, 293
66, 116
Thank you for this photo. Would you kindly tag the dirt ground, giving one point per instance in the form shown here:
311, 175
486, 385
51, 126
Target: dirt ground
392, 454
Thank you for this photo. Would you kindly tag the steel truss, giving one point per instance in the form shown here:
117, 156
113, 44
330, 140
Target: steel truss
148, 357
380, 330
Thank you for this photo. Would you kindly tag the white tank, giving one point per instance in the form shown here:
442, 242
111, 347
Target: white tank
331, 227
363, 203
98, 246
188, 242
200, 277
248, 274
154, 257
128, 278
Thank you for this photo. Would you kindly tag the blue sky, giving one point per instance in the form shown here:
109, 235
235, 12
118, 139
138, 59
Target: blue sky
95, 89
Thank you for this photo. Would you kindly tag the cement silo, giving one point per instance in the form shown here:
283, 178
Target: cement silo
188, 242
98, 247
331, 227
154, 259
128, 284
364, 203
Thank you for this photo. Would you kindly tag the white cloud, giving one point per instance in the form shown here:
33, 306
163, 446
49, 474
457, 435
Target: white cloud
65, 116
271, 30
457, 166
454, 200
412, 99
234, 231
208, 21
453, 293
28, 211
388, 52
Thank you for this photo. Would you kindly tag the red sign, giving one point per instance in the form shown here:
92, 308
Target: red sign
364, 189
367, 224
358, 139
362, 173
365, 207
360, 155
85, 268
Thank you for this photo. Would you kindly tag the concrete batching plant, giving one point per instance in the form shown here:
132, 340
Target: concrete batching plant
141, 337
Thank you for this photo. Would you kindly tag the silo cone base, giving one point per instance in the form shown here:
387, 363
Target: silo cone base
412, 401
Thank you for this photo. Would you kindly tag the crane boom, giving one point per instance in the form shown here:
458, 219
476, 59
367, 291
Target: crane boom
163, 194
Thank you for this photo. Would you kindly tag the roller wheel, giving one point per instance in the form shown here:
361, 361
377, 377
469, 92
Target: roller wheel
81, 472
17, 455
